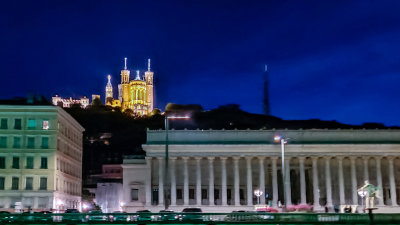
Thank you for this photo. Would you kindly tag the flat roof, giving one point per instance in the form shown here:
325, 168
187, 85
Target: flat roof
311, 136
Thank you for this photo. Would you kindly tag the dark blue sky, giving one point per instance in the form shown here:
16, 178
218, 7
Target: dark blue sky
333, 60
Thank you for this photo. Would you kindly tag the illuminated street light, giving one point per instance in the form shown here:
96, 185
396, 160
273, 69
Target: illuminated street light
283, 141
258, 193
84, 206
166, 120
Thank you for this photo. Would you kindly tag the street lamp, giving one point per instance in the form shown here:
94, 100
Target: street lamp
283, 141
166, 121
258, 193
362, 194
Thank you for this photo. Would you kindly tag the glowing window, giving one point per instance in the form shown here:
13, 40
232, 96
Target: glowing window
31, 123
45, 125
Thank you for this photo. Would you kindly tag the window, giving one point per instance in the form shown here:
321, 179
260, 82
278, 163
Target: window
31, 142
17, 124
2, 162
29, 183
15, 162
4, 124
29, 162
216, 194
191, 193
204, 194
178, 193
17, 142
31, 123
43, 183
45, 125
15, 183
134, 194
43, 163
2, 181
45, 142
3, 142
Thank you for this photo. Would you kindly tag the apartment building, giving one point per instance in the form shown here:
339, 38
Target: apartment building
40, 158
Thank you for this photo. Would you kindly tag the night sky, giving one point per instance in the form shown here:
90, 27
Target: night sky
332, 60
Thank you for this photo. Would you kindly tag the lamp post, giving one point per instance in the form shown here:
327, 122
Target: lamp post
362, 194
166, 121
258, 193
283, 141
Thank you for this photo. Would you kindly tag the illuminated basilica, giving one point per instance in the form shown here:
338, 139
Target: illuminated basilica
136, 95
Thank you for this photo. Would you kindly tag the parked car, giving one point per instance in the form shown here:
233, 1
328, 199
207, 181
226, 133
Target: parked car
240, 215
144, 215
72, 215
119, 216
193, 214
44, 216
96, 215
167, 215
71, 211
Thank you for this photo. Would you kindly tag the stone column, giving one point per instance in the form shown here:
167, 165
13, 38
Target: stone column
249, 182
223, 181
161, 181
353, 181
393, 194
303, 199
274, 181
366, 175
341, 181
287, 182
173, 180
315, 183
211, 180
328, 182
262, 180
379, 180
198, 181
185, 181
237, 180
148, 182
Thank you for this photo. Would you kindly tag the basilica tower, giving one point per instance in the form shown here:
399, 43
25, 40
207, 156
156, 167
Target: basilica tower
149, 86
125, 86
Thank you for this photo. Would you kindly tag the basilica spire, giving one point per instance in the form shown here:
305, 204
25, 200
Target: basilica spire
109, 80
137, 75
148, 65
109, 89
125, 73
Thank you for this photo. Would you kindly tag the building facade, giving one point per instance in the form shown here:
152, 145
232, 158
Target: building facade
40, 158
208, 168
68, 102
136, 95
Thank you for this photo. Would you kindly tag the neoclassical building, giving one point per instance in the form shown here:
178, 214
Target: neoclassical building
209, 168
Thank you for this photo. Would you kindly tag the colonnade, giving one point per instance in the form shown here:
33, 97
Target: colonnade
261, 184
